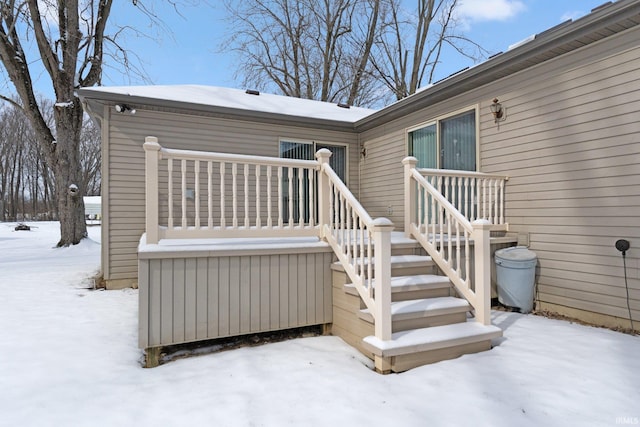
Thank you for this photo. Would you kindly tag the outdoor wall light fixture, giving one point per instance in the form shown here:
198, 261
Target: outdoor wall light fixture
123, 108
497, 111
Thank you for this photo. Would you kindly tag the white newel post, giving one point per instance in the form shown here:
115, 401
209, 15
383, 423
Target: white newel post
324, 191
409, 163
381, 229
152, 154
482, 248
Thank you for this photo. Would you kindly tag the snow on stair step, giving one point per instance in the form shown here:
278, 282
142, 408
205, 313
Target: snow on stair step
425, 339
410, 309
418, 282
397, 261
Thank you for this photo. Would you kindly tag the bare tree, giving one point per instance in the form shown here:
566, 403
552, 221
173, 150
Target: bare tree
358, 51
72, 45
70, 38
25, 180
410, 45
306, 48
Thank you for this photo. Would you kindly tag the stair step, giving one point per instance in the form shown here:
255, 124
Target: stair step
420, 282
397, 261
434, 338
427, 307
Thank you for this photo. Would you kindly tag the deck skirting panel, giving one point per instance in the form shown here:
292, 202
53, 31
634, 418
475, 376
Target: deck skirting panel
194, 298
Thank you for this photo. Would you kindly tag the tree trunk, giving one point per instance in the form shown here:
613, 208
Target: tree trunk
67, 171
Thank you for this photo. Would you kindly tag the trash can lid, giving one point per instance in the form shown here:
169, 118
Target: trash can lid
516, 253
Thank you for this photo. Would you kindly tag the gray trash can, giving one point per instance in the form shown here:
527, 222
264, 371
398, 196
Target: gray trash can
515, 276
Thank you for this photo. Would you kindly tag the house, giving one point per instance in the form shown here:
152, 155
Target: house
92, 207
246, 231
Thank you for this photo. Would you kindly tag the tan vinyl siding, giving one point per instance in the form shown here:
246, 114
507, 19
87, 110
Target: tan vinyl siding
570, 145
184, 299
126, 165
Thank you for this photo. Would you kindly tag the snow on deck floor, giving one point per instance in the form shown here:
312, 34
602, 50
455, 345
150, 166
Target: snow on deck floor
68, 356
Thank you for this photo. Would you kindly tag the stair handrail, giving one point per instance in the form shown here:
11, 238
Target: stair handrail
353, 234
446, 234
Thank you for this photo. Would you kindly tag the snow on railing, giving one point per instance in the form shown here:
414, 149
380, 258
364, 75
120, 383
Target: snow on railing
475, 195
196, 194
353, 235
446, 234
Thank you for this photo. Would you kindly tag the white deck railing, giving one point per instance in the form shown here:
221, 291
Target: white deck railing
195, 194
475, 195
448, 236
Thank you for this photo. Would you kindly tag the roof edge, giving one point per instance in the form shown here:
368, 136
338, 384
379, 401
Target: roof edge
89, 94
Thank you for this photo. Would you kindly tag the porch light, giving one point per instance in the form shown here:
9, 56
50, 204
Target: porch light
123, 108
496, 110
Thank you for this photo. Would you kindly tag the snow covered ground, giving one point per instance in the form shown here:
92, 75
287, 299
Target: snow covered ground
68, 357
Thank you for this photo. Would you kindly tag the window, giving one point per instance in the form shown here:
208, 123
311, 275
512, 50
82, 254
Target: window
448, 143
306, 151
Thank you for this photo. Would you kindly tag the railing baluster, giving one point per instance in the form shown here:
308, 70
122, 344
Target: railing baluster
370, 262
459, 189
501, 201
421, 202
474, 207
291, 218
496, 210
184, 193
362, 253
223, 223
280, 207
246, 195
234, 194
447, 187
341, 220
441, 215
170, 193
484, 199
312, 200
450, 254
301, 204
348, 231
269, 201
258, 219
433, 217
467, 256
458, 247
336, 210
210, 195
196, 172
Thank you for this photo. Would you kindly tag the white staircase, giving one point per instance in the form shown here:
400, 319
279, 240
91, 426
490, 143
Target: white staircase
429, 322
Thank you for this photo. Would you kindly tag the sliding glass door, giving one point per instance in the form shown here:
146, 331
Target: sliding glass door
291, 190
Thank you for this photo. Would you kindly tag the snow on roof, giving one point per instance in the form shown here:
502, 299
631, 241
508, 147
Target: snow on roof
239, 99
92, 200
